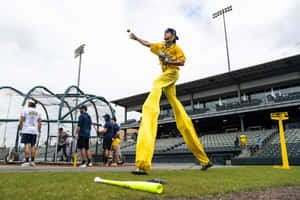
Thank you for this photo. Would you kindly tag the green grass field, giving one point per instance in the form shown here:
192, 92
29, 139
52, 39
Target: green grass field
183, 183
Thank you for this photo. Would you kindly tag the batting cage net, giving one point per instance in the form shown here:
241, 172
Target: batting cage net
57, 111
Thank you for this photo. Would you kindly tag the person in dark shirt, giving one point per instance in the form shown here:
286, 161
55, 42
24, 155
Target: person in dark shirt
236, 142
116, 139
83, 135
107, 140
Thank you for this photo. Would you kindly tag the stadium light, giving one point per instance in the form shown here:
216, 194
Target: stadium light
217, 14
78, 52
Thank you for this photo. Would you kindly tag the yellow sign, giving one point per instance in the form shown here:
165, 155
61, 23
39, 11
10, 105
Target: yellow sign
280, 116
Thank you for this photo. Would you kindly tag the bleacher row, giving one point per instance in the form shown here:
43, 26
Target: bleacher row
214, 142
233, 105
292, 139
287, 97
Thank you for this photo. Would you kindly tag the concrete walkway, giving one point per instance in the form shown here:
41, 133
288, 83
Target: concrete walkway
97, 168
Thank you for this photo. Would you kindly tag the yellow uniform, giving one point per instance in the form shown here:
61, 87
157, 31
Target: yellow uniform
150, 112
115, 142
243, 140
173, 51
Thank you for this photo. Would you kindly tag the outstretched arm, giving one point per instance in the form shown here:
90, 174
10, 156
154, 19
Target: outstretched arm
176, 62
143, 42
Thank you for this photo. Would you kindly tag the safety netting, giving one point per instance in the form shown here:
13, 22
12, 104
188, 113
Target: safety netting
57, 111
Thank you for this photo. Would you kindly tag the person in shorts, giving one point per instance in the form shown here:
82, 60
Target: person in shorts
83, 132
30, 126
116, 140
107, 139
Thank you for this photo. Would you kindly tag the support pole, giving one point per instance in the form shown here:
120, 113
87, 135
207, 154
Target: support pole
192, 102
242, 123
226, 41
239, 92
282, 116
125, 121
7, 115
285, 161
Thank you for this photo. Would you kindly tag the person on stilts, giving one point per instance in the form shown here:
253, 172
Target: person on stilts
171, 57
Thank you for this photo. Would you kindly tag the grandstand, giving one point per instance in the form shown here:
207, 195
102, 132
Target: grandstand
292, 139
225, 106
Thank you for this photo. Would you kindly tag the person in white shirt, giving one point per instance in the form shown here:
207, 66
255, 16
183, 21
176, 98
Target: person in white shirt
30, 126
68, 145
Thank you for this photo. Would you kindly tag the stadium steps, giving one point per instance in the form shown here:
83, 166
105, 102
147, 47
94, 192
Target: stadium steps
266, 143
273, 150
244, 153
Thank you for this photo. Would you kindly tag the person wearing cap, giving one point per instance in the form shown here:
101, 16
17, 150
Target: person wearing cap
107, 139
171, 57
68, 145
30, 126
62, 136
83, 131
116, 139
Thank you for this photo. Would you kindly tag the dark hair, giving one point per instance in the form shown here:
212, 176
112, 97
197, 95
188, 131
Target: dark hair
114, 118
60, 129
32, 103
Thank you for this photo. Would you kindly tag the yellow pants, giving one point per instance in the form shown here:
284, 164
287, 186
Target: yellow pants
150, 113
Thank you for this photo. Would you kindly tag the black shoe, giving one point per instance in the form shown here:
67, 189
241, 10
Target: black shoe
139, 172
156, 180
205, 167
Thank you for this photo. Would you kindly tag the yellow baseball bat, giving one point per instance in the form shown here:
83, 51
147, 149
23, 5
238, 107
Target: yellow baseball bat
75, 156
75, 160
136, 185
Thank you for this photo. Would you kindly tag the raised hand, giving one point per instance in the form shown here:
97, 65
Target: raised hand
133, 36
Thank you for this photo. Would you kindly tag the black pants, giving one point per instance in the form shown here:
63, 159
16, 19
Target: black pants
62, 147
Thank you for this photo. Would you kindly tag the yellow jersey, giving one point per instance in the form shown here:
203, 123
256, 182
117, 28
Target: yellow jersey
174, 51
243, 140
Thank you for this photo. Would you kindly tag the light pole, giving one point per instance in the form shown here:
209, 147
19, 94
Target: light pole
217, 14
78, 52
7, 115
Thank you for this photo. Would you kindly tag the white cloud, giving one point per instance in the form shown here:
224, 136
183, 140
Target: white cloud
38, 39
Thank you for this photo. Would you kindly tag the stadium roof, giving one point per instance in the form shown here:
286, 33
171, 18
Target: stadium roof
272, 68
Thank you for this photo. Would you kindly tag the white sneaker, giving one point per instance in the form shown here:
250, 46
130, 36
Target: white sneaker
90, 164
26, 164
32, 164
82, 166
114, 164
